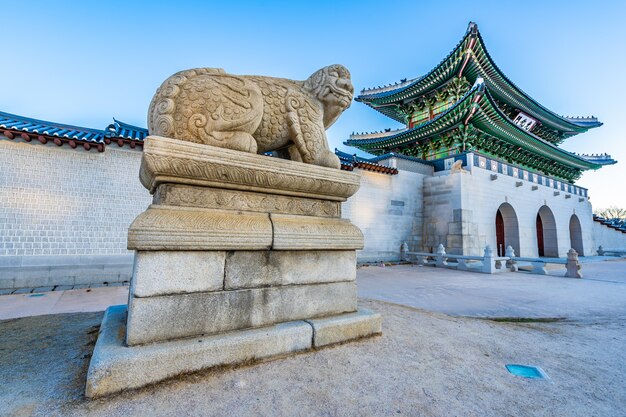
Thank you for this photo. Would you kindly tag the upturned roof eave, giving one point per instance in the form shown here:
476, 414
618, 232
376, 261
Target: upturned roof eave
538, 144
410, 134
543, 113
529, 141
540, 112
389, 95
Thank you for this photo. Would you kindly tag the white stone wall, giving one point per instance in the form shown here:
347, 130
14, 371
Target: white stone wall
63, 201
479, 197
608, 238
61, 206
388, 210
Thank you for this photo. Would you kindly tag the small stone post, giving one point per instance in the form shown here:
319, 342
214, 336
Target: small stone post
489, 263
441, 256
404, 248
511, 263
573, 266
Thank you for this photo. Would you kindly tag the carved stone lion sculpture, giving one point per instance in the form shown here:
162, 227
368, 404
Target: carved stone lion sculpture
253, 113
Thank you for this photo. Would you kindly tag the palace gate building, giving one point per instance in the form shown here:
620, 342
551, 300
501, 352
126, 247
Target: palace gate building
498, 175
478, 163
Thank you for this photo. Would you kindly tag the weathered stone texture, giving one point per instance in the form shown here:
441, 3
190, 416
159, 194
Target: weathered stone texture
307, 232
115, 367
177, 272
344, 327
190, 196
174, 316
179, 228
250, 269
167, 160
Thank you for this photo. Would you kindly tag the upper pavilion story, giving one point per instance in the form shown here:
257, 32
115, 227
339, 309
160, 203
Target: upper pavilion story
467, 104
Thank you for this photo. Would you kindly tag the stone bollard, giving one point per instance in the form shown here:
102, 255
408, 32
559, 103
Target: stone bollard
489, 263
600, 251
404, 248
441, 256
573, 266
511, 263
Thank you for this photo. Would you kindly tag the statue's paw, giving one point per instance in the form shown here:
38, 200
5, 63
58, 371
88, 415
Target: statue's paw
238, 141
330, 160
243, 141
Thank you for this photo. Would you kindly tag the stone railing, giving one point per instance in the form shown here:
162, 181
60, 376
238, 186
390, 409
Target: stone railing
611, 252
490, 264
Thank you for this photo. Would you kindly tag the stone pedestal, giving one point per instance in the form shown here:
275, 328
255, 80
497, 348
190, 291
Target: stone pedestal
240, 257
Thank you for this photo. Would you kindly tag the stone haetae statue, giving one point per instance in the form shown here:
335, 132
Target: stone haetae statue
253, 113
248, 255
457, 167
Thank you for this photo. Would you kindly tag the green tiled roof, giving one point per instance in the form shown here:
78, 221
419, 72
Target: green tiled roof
470, 57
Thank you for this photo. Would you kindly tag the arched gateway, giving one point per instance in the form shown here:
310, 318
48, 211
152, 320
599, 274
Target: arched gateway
576, 235
507, 229
547, 242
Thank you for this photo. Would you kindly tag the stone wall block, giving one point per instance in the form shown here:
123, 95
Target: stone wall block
176, 316
177, 272
167, 160
179, 228
307, 232
252, 269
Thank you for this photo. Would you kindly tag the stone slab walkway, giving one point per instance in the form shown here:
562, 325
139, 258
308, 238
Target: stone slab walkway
601, 293
58, 302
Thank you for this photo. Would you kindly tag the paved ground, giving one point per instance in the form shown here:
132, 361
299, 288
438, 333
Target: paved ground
425, 364
35, 290
57, 302
601, 293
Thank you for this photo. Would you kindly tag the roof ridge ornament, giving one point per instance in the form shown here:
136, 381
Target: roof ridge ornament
472, 28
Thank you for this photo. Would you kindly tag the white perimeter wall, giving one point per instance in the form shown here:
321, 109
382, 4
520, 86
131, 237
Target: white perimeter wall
388, 210
63, 206
608, 238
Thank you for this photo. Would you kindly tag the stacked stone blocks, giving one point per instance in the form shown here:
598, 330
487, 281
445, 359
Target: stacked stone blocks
237, 249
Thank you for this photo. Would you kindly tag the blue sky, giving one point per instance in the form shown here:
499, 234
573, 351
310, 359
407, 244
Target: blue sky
85, 62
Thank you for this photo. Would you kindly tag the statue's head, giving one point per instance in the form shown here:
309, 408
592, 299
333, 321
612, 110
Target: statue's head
332, 86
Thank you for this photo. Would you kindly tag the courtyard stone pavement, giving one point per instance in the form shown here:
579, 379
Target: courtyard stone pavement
600, 293
425, 363
58, 302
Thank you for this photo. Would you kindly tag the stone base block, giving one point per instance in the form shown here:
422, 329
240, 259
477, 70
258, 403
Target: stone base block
154, 319
337, 329
115, 367
254, 269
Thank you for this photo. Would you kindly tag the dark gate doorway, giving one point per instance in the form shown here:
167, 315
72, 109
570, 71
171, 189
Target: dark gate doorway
576, 235
500, 233
507, 230
547, 242
540, 248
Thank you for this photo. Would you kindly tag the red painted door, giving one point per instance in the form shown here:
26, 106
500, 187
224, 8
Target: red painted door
540, 236
500, 234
